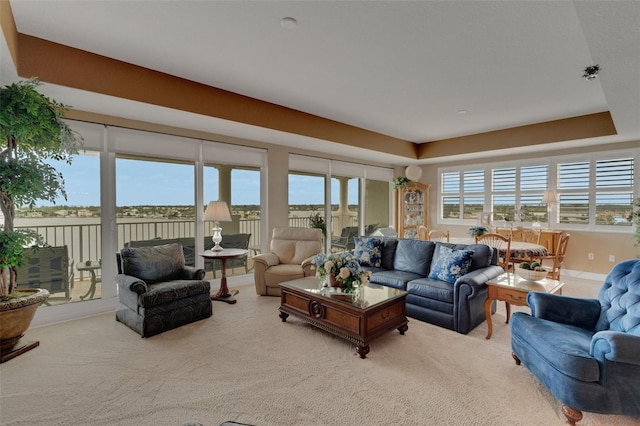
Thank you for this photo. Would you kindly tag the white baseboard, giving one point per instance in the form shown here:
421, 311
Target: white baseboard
585, 275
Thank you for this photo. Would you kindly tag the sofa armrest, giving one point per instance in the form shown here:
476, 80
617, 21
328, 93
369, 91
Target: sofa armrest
616, 346
481, 275
131, 283
267, 259
192, 273
579, 312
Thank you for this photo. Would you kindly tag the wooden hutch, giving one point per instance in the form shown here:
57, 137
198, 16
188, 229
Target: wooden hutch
412, 209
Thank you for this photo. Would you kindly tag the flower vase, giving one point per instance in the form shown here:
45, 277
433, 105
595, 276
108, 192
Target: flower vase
333, 282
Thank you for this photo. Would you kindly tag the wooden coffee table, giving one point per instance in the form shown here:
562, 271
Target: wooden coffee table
376, 310
513, 290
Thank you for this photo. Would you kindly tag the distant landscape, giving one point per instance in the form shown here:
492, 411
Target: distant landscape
179, 212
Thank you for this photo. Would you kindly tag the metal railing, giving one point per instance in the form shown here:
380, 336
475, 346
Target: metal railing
84, 241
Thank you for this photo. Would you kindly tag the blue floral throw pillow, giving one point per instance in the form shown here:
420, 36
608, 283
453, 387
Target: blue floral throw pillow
368, 251
451, 264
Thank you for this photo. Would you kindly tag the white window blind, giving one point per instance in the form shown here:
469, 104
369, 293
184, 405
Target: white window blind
593, 190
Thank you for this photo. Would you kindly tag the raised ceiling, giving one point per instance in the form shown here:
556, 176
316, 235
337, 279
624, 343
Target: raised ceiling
418, 71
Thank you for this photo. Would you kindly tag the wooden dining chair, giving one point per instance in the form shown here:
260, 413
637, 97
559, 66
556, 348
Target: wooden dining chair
423, 233
527, 236
530, 236
438, 235
557, 257
502, 244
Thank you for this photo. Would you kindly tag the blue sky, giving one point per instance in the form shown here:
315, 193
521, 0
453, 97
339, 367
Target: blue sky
153, 183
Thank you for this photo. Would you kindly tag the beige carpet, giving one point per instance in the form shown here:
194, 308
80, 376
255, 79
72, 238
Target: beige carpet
244, 364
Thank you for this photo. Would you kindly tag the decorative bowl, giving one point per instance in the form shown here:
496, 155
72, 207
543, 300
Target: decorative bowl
528, 274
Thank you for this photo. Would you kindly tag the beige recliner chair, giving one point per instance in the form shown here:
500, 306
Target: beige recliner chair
290, 258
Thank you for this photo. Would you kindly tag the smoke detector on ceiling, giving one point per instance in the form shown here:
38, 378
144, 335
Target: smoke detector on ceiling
591, 72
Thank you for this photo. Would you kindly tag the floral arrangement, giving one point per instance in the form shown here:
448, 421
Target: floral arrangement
344, 267
400, 182
476, 231
317, 221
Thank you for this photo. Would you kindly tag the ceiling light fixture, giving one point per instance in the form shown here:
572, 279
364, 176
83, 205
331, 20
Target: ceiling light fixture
591, 72
289, 23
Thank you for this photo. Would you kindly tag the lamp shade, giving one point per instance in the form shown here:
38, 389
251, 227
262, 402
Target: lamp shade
549, 197
217, 211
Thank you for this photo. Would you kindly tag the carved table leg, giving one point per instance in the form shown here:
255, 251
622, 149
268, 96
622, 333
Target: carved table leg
224, 295
403, 328
487, 314
363, 351
572, 414
284, 316
508, 309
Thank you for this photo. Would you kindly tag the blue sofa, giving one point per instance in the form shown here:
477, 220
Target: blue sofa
411, 265
586, 351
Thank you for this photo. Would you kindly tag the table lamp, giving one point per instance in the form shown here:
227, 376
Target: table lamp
216, 212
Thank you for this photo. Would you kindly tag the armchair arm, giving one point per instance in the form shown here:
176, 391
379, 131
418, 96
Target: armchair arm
575, 311
309, 267
132, 283
192, 273
616, 346
267, 259
308, 261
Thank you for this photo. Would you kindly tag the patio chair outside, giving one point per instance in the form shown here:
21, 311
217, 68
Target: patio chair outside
49, 268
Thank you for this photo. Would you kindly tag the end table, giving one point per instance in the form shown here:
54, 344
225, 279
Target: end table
513, 290
224, 295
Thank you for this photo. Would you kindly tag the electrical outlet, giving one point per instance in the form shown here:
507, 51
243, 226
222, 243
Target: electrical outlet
590, 256
612, 258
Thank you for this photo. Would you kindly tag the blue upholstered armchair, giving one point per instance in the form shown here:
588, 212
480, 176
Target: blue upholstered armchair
586, 351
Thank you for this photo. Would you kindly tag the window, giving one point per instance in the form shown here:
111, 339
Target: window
592, 192
344, 192
306, 198
154, 200
377, 205
72, 227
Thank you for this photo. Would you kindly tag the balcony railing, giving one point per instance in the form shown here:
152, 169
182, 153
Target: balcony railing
84, 240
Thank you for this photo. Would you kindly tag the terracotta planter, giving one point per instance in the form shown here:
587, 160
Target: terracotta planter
15, 318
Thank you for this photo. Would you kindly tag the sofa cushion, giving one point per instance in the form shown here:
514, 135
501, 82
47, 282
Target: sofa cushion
172, 291
413, 256
368, 251
482, 254
395, 279
293, 245
450, 264
431, 289
282, 272
389, 246
153, 264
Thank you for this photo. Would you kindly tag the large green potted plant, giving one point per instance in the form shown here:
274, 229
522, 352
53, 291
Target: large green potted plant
33, 131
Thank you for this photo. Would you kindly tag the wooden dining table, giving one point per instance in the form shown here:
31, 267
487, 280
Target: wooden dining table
518, 249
